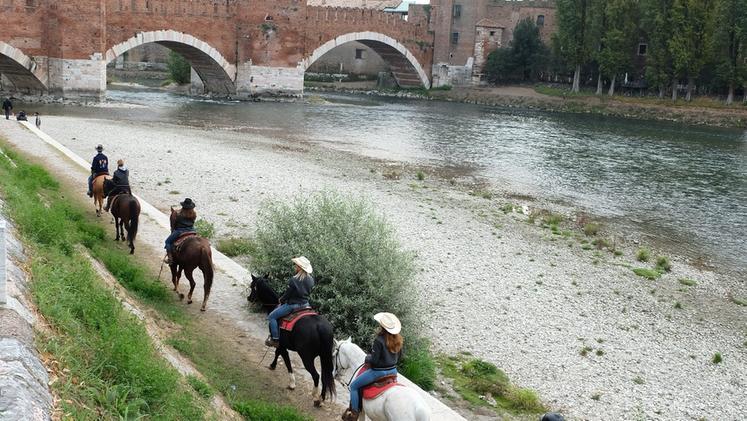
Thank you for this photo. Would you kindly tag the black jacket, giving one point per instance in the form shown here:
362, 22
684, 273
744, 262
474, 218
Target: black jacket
380, 358
184, 223
121, 178
7, 105
298, 290
100, 164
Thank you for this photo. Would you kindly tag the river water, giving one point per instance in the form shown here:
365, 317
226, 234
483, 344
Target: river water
684, 185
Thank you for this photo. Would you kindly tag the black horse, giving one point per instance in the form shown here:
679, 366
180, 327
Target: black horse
311, 337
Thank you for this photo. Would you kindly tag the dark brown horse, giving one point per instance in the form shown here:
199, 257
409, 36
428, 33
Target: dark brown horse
126, 212
192, 252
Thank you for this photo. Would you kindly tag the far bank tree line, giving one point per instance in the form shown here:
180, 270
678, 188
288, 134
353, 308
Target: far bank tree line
697, 46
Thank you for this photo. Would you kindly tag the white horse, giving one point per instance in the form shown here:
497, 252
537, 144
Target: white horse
397, 403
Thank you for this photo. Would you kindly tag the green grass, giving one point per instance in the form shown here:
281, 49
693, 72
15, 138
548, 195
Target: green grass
419, 366
235, 246
643, 254
591, 229
717, 358
652, 274
202, 388
738, 302
687, 282
473, 378
485, 194
204, 228
420, 175
102, 346
663, 264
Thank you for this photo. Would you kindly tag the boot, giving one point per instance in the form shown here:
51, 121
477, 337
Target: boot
350, 415
271, 342
90, 194
169, 258
108, 204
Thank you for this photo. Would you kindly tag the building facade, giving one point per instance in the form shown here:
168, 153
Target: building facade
467, 31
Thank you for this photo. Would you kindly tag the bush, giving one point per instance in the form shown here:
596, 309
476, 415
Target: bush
418, 365
525, 400
647, 273
663, 264
204, 228
179, 69
234, 246
590, 229
361, 268
643, 254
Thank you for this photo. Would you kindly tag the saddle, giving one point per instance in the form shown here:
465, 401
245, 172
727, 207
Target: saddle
180, 239
287, 322
381, 385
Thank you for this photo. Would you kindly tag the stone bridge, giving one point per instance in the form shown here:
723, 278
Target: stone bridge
237, 48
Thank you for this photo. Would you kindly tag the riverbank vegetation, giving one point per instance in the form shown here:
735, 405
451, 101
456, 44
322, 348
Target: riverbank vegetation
666, 48
108, 368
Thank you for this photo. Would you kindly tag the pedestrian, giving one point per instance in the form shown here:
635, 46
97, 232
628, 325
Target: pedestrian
38, 120
22, 116
7, 106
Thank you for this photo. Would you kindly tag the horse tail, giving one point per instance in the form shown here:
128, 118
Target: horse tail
206, 265
134, 218
327, 341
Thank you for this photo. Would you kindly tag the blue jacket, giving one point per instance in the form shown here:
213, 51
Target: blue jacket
100, 164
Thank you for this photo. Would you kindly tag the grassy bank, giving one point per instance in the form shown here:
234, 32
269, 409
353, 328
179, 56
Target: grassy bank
108, 367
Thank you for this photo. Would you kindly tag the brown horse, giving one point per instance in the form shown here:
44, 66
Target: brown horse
193, 252
125, 209
98, 192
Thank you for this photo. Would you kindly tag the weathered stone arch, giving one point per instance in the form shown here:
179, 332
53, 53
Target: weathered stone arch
406, 68
216, 72
21, 70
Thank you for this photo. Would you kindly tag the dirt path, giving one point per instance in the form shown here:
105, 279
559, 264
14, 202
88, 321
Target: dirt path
237, 333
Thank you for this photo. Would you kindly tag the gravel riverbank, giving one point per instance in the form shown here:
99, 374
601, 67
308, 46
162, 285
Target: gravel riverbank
491, 284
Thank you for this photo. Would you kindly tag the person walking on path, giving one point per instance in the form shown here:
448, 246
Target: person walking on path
7, 106
38, 120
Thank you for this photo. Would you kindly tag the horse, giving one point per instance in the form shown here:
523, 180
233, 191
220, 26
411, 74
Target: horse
311, 337
98, 192
192, 252
125, 209
397, 403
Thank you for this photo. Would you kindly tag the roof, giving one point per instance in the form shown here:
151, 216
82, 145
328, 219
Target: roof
404, 6
488, 23
365, 4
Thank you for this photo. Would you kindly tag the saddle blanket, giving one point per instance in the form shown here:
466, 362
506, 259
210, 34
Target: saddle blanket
381, 385
287, 322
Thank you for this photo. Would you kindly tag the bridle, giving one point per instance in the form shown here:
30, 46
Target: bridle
338, 365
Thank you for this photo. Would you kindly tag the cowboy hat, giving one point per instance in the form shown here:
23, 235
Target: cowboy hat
389, 322
303, 263
99, 147
188, 204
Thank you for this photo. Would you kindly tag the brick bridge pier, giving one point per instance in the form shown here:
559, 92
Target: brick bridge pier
238, 48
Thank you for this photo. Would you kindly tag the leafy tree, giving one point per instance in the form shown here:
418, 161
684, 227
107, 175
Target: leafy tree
687, 45
619, 38
524, 59
657, 26
729, 43
500, 66
179, 69
573, 39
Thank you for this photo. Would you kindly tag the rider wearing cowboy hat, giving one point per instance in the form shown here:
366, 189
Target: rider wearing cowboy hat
99, 165
185, 222
382, 361
296, 296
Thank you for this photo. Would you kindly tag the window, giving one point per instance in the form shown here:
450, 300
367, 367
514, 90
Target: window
642, 49
492, 33
456, 11
360, 53
455, 37
541, 20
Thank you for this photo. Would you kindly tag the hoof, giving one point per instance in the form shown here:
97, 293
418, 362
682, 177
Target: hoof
181, 296
291, 387
272, 367
202, 308
189, 301
317, 404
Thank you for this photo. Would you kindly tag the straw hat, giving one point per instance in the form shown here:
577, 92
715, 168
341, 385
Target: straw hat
389, 322
303, 263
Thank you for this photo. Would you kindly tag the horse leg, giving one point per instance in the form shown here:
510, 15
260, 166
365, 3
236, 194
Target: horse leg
286, 360
308, 364
274, 363
124, 227
116, 227
175, 280
188, 273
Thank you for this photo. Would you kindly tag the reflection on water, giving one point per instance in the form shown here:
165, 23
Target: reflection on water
684, 183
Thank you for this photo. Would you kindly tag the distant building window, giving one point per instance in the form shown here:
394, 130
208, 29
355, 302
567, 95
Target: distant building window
360, 53
642, 49
455, 37
456, 11
541, 21
492, 33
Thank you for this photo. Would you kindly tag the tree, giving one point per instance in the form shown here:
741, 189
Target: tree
656, 22
179, 69
687, 45
619, 39
728, 43
573, 38
525, 58
598, 27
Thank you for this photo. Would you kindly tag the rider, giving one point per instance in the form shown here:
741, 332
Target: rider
382, 361
99, 165
119, 184
185, 222
296, 296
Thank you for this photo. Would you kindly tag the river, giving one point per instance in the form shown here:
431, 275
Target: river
685, 186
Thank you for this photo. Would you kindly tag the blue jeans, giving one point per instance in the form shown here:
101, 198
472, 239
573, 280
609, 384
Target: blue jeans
90, 183
368, 377
281, 311
173, 236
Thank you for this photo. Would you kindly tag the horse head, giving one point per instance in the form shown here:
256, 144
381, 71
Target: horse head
172, 218
344, 358
261, 292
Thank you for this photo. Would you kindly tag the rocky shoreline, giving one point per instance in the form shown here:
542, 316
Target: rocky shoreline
595, 340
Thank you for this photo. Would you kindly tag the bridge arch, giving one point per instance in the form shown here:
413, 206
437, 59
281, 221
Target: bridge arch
407, 70
216, 72
21, 70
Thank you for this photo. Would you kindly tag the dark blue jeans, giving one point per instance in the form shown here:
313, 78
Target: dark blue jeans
368, 377
173, 236
281, 311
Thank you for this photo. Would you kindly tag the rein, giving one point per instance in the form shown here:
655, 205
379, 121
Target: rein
338, 365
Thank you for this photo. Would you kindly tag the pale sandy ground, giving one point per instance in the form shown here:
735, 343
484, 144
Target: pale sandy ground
490, 284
